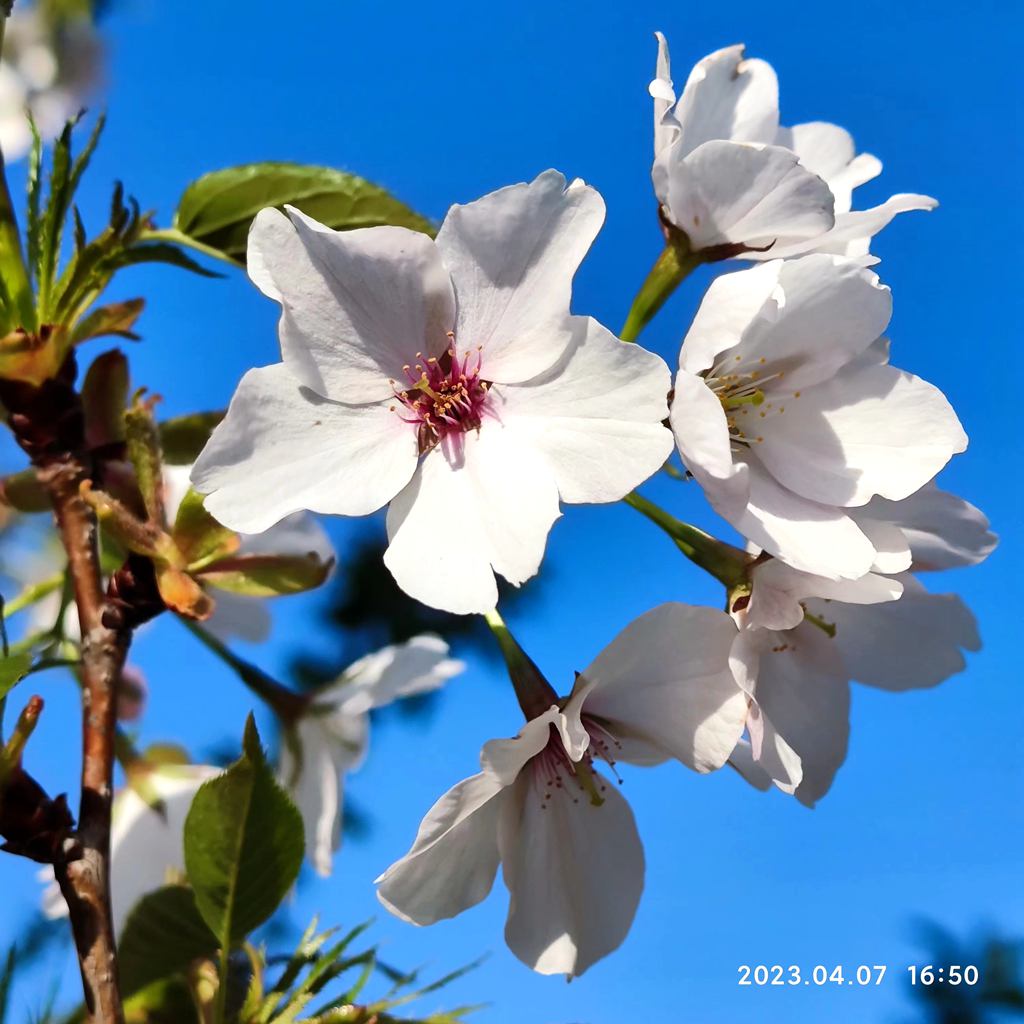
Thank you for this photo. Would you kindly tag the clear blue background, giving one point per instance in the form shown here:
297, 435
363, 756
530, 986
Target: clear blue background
442, 103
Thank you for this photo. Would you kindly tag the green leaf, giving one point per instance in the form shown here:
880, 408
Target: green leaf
243, 845
199, 537
156, 252
162, 936
143, 441
15, 286
217, 209
184, 437
118, 318
267, 575
13, 669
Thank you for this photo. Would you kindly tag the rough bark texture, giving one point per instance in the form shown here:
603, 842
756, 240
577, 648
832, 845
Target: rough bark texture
85, 881
49, 425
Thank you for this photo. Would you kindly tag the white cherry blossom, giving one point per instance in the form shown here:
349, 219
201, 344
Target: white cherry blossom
788, 414
804, 637
563, 835
733, 180
445, 377
331, 739
146, 845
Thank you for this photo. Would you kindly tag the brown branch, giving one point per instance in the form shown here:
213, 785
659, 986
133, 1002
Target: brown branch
85, 881
49, 425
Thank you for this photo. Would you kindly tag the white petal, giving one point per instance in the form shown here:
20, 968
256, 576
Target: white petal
664, 688
809, 536
853, 230
238, 616
512, 256
299, 534
316, 787
730, 305
416, 666
870, 430
701, 433
732, 193
454, 858
355, 305
505, 758
779, 590
464, 514
803, 694
892, 552
943, 531
912, 643
281, 448
575, 873
666, 131
596, 415
823, 148
742, 759
826, 312
727, 97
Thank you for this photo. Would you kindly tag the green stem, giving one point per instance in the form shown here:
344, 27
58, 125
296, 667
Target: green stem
672, 266
285, 703
177, 237
534, 693
34, 592
726, 563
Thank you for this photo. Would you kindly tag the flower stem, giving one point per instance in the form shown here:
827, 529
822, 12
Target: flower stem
672, 266
534, 693
726, 563
285, 703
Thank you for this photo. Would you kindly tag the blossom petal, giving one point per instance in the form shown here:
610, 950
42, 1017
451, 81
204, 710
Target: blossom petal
399, 670
804, 697
943, 530
316, 785
575, 872
664, 688
454, 858
826, 149
596, 415
779, 591
913, 643
701, 433
727, 97
851, 236
282, 448
872, 429
355, 305
512, 256
827, 312
488, 506
733, 193
505, 758
809, 536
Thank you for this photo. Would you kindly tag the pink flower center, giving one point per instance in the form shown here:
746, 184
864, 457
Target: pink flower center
445, 397
555, 772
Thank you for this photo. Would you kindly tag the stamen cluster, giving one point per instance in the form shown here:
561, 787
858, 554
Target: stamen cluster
445, 396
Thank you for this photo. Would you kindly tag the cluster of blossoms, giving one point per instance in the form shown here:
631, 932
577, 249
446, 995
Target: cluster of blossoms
447, 380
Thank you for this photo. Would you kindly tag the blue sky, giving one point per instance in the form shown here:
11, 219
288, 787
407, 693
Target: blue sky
442, 103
